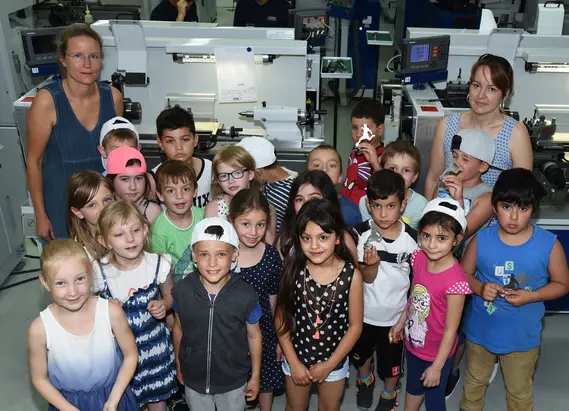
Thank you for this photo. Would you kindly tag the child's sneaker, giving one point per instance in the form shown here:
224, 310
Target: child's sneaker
452, 382
387, 402
365, 392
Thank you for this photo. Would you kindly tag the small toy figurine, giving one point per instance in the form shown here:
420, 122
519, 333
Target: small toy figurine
367, 135
451, 171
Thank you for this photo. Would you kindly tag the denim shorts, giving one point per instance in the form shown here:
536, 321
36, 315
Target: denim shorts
334, 376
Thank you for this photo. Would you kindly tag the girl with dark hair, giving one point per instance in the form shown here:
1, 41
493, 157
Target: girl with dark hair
260, 265
319, 310
309, 185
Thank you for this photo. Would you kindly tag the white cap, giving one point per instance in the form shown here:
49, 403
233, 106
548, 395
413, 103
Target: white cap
475, 143
117, 123
216, 229
448, 206
261, 149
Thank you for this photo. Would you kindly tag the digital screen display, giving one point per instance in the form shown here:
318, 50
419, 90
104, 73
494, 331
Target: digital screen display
44, 44
420, 53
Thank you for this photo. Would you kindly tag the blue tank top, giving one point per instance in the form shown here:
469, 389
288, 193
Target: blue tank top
502, 157
71, 148
499, 326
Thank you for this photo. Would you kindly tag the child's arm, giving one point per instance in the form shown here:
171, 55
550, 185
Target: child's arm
152, 212
351, 244
320, 371
558, 284
299, 373
176, 340
273, 303
370, 265
152, 190
479, 214
37, 343
488, 291
397, 332
159, 308
432, 375
125, 340
210, 209
271, 234
436, 162
255, 342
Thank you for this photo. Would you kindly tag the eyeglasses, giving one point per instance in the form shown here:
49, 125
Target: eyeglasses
498, 59
236, 175
80, 57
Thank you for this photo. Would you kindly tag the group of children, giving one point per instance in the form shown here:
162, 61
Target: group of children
238, 278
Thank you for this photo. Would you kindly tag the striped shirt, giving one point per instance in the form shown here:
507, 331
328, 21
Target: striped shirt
277, 193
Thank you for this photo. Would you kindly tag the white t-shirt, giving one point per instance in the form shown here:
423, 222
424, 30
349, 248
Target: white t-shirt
386, 298
203, 195
122, 284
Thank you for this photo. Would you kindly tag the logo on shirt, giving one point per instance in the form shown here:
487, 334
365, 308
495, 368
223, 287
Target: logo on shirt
511, 281
419, 309
201, 200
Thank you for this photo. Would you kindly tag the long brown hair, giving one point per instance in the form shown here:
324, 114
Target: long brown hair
81, 188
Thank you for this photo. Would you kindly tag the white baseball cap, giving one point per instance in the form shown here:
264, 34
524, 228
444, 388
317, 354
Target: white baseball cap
475, 143
448, 206
117, 123
261, 149
216, 229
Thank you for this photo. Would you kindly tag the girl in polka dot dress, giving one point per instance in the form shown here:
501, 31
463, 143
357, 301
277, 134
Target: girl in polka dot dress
233, 170
260, 265
319, 311
430, 323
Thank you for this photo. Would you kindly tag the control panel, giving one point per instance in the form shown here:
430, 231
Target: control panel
425, 54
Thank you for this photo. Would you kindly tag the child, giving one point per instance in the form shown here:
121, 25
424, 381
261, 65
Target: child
178, 139
172, 230
319, 308
512, 267
276, 180
309, 185
326, 158
384, 247
216, 332
82, 352
118, 132
435, 306
141, 283
472, 153
364, 159
127, 170
88, 193
260, 265
403, 157
234, 170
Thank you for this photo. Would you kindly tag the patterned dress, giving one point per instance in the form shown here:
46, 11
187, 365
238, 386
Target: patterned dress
155, 376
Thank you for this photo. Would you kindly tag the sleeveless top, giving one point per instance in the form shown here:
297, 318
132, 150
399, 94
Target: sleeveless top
321, 316
70, 148
82, 363
499, 326
502, 157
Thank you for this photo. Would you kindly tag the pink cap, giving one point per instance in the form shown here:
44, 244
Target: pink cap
116, 162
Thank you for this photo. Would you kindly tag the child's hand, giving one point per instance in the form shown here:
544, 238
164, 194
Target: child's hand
431, 377
397, 333
518, 297
370, 155
320, 372
300, 375
179, 375
371, 257
157, 308
252, 389
491, 291
454, 185
280, 355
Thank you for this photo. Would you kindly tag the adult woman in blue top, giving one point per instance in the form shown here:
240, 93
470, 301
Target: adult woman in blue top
491, 83
64, 123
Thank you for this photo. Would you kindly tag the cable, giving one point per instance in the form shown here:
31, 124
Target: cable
19, 283
389, 62
32, 256
33, 270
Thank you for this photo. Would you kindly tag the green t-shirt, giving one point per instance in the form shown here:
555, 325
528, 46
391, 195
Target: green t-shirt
166, 238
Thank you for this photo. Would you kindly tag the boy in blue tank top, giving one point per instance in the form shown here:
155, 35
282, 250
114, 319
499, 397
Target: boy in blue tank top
512, 268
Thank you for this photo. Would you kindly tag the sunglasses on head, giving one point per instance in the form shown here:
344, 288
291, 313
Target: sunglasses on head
493, 58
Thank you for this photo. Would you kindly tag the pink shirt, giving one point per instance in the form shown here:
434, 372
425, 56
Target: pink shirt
427, 307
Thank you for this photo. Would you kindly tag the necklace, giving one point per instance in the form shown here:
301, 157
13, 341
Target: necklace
316, 306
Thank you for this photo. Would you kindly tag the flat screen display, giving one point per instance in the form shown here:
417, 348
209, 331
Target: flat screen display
420, 53
44, 44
